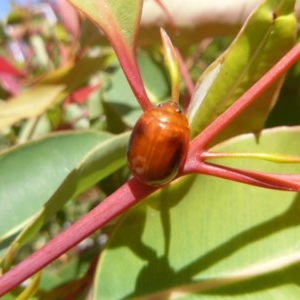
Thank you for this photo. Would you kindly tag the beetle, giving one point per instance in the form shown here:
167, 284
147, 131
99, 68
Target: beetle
158, 144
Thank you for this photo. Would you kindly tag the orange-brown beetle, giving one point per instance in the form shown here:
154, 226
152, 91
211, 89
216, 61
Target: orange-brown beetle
158, 144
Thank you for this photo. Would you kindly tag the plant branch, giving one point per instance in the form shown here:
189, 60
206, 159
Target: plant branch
125, 197
185, 75
284, 182
209, 133
194, 162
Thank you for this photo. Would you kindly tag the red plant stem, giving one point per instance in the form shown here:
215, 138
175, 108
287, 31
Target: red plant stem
194, 162
125, 197
124, 51
169, 17
185, 74
208, 134
266, 180
132, 73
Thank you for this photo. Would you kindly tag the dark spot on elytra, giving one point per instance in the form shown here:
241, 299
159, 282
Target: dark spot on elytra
176, 145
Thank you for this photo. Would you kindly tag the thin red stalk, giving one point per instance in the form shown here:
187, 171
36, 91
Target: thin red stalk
195, 163
169, 17
125, 53
185, 74
265, 180
125, 197
208, 134
132, 73
84, 282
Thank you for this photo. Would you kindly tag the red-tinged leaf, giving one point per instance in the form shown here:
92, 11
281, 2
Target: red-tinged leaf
30, 103
9, 83
69, 17
8, 68
254, 51
74, 74
81, 95
119, 21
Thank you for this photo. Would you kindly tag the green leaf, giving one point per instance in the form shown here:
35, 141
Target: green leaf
75, 74
154, 77
268, 34
104, 158
71, 271
171, 61
119, 20
203, 231
113, 17
119, 100
30, 174
30, 103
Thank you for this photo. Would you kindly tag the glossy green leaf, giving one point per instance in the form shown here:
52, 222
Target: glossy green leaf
255, 50
154, 77
113, 17
104, 158
67, 273
202, 231
30, 103
118, 97
119, 21
172, 64
32, 172
74, 74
